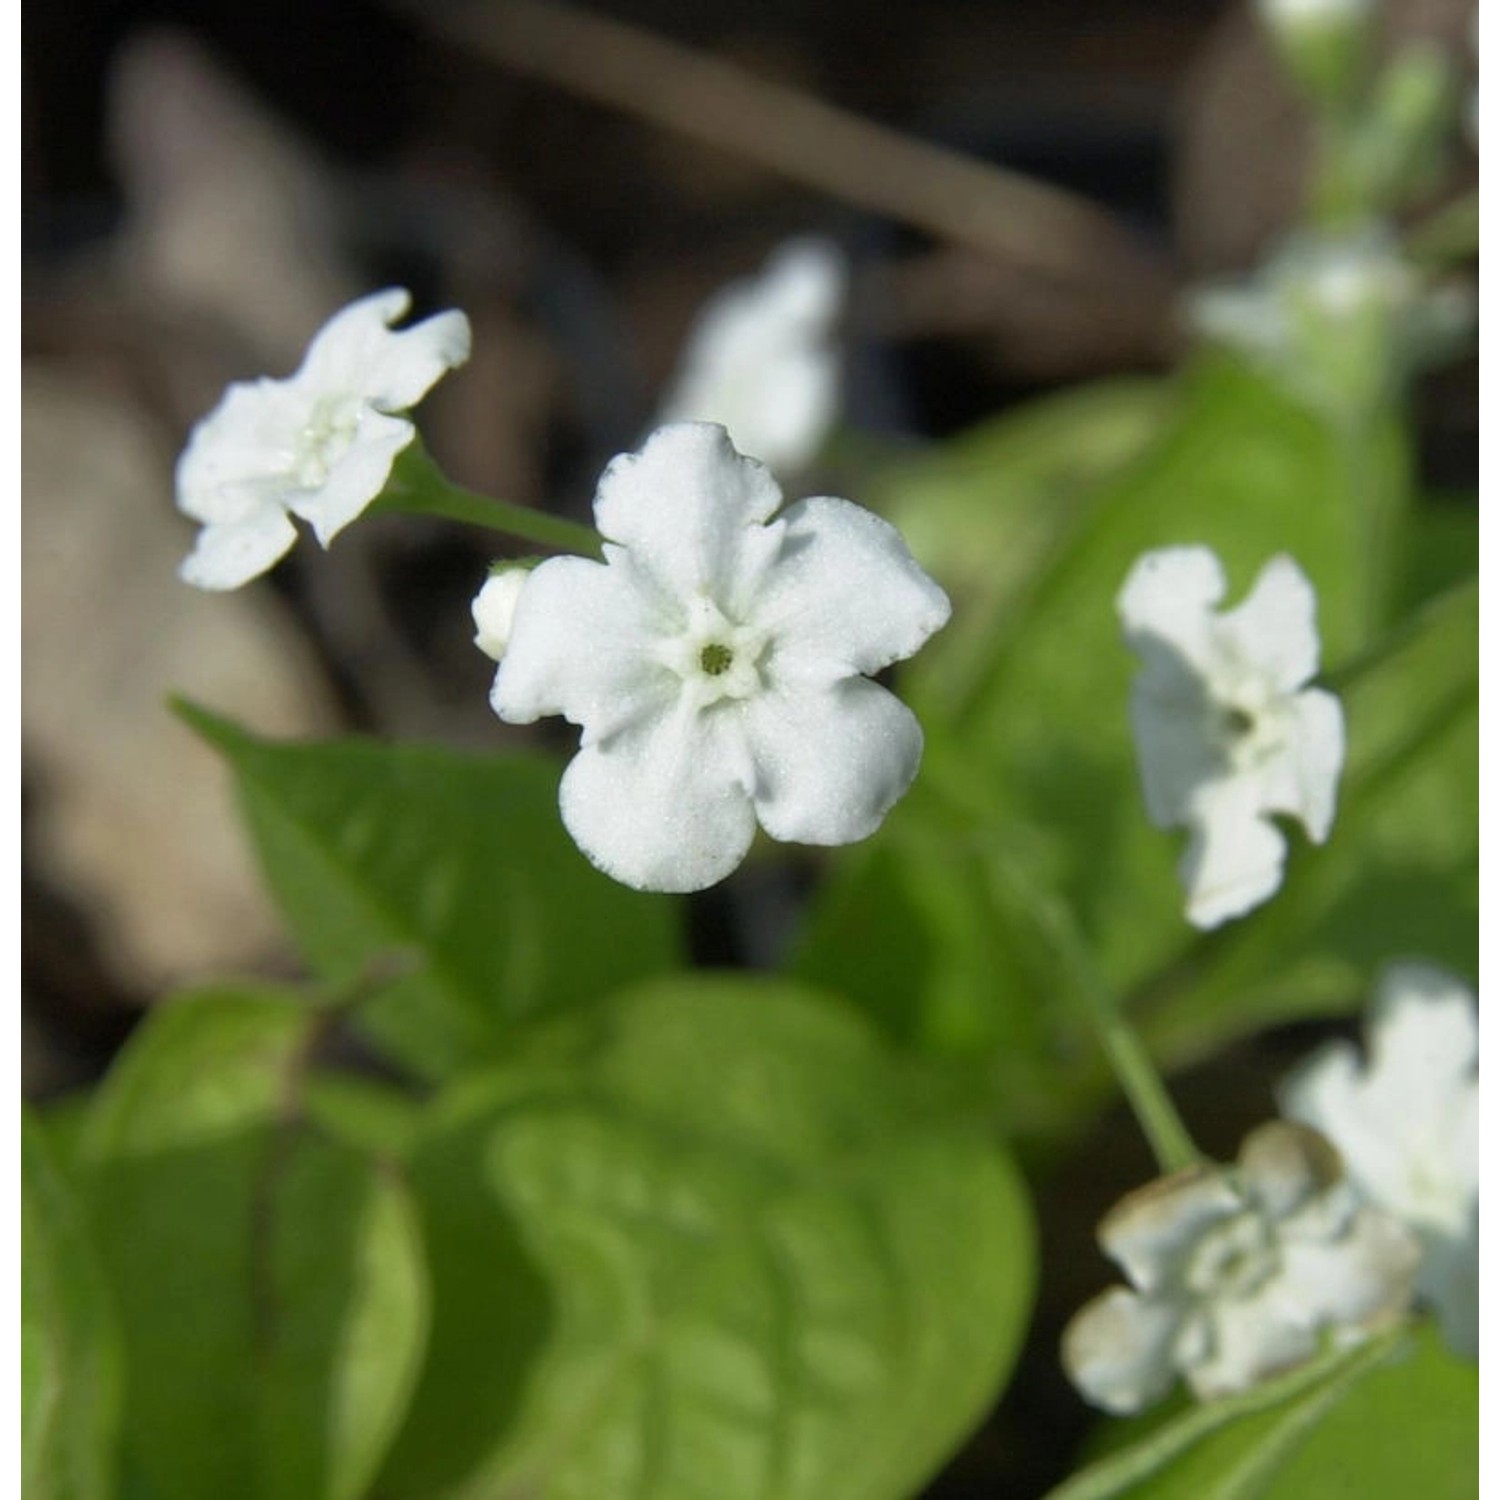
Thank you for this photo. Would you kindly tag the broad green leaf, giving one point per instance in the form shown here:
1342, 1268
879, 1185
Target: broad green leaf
1393, 1418
70, 1354
455, 864
712, 1238
269, 1279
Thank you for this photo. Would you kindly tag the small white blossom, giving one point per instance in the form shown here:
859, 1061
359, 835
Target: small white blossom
718, 662
318, 445
1226, 729
1237, 1274
1407, 1126
762, 359
494, 610
1337, 319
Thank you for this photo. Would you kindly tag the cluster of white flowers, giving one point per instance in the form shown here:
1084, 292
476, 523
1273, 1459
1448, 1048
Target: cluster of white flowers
718, 663
1238, 1273
1227, 729
762, 359
318, 445
1407, 1127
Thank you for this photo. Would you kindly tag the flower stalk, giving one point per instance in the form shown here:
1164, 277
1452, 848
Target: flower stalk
418, 487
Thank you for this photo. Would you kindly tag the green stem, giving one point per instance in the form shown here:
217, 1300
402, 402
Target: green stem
1127, 1055
1449, 238
418, 487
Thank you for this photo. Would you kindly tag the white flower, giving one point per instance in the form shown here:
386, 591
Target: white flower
1226, 729
1407, 1126
1237, 1274
319, 444
494, 610
1338, 319
762, 361
717, 662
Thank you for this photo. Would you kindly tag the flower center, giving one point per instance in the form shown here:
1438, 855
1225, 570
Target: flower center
715, 657
325, 438
1246, 722
1233, 1259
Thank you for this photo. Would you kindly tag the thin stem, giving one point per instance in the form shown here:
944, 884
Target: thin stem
418, 487
1144, 1089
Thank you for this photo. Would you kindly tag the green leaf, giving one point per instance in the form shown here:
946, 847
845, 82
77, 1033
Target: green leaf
1393, 1418
711, 1238
269, 1279
457, 863
70, 1355
986, 510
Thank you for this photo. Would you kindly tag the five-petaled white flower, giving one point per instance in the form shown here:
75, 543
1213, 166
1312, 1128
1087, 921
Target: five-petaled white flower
319, 444
1407, 1126
762, 359
1226, 728
1237, 1273
718, 662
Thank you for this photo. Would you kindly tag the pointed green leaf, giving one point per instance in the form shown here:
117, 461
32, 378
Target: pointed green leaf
455, 865
712, 1238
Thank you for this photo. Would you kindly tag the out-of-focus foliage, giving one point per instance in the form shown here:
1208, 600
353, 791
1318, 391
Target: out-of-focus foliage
70, 1354
269, 1278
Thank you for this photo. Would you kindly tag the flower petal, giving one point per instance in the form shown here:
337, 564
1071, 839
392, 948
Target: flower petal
356, 479
663, 805
238, 454
1246, 1343
1276, 626
845, 596
1359, 1280
1168, 709
357, 352
1118, 1350
1234, 859
1167, 601
1150, 1232
686, 505
224, 557
580, 646
829, 763
1303, 781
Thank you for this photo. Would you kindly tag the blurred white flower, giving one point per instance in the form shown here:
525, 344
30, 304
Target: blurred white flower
718, 664
494, 609
762, 359
1337, 319
1237, 1273
1407, 1126
1226, 729
319, 444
